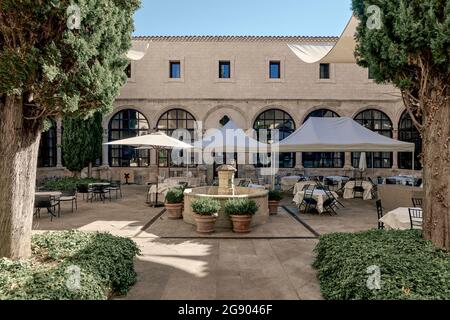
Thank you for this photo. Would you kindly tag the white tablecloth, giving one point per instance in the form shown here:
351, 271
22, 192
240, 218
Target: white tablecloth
348, 190
256, 186
404, 180
288, 182
319, 195
340, 179
55, 194
397, 219
299, 186
162, 191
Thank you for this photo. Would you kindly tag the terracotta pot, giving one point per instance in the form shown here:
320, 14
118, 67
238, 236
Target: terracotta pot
273, 207
174, 210
205, 224
241, 224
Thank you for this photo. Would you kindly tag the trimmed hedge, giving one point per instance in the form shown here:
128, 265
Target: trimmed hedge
205, 206
411, 268
65, 183
241, 207
105, 263
175, 195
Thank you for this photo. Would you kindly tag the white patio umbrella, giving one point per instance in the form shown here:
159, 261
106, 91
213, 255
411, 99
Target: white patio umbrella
363, 162
157, 141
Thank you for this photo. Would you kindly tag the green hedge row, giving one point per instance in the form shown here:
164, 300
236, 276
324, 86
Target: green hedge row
103, 261
410, 267
64, 183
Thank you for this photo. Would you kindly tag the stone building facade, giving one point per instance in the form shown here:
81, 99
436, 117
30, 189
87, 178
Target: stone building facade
256, 82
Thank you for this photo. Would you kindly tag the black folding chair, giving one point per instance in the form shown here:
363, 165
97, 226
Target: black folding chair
331, 203
374, 190
308, 201
336, 200
417, 202
358, 189
71, 196
380, 214
84, 189
100, 191
416, 218
183, 184
46, 202
117, 187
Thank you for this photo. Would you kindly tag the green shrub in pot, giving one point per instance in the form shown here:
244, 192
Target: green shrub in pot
241, 207
275, 195
205, 206
175, 195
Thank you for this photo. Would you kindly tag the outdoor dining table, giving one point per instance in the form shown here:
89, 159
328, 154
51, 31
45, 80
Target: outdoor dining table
397, 219
300, 185
348, 190
288, 182
163, 188
54, 194
99, 184
340, 179
319, 195
403, 179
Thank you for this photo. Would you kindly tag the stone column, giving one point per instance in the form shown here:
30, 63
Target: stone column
395, 153
105, 154
348, 161
58, 143
299, 161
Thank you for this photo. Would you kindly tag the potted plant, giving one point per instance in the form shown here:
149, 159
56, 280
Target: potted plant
206, 210
275, 196
174, 203
241, 212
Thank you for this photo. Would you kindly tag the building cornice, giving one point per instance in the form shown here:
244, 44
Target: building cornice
288, 39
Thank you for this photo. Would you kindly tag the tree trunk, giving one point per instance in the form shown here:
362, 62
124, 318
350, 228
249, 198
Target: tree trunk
90, 170
19, 149
436, 174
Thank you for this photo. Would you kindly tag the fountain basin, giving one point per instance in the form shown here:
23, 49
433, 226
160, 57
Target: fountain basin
223, 220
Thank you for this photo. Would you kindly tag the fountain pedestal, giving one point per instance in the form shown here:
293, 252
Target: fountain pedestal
226, 179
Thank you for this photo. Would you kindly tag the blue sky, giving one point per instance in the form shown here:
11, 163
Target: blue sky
242, 17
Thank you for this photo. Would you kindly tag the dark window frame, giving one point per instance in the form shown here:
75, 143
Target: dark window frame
324, 71
323, 159
408, 132
287, 159
124, 156
276, 63
172, 73
367, 118
223, 75
168, 128
48, 146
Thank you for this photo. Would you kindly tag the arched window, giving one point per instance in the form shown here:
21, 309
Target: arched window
277, 119
323, 159
379, 122
128, 123
169, 122
408, 132
47, 147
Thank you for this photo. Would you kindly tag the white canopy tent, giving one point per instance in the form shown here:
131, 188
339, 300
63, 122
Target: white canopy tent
157, 141
339, 135
229, 138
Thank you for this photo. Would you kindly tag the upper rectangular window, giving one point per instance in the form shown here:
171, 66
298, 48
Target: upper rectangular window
175, 69
324, 71
224, 69
128, 70
370, 74
275, 70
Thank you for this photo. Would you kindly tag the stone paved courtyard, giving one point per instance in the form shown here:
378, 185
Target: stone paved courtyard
272, 262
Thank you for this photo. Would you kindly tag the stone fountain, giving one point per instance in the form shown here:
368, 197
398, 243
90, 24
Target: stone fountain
225, 191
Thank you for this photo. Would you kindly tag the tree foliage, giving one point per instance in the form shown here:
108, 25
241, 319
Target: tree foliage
57, 70
411, 49
81, 141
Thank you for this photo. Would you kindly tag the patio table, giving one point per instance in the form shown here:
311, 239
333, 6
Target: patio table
299, 186
99, 184
402, 179
55, 194
397, 219
319, 195
348, 190
340, 179
288, 182
163, 188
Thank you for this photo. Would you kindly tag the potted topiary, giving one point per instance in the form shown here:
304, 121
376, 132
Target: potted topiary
206, 210
174, 203
241, 212
275, 197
